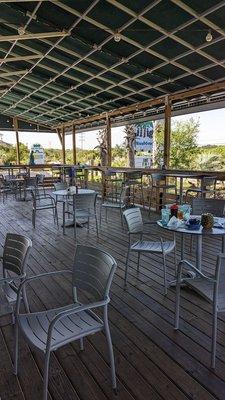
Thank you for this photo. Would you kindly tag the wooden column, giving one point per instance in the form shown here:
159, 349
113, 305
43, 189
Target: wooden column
59, 135
109, 141
63, 146
74, 145
167, 133
15, 124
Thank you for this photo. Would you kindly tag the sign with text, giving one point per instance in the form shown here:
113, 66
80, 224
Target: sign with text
38, 154
144, 136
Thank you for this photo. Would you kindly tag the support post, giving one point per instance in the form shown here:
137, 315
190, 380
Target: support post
167, 133
109, 141
74, 144
59, 135
15, 124
63, 146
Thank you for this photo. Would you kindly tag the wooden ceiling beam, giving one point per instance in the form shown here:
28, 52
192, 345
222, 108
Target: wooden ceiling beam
11, 73
19, 58
28, 36
213, 87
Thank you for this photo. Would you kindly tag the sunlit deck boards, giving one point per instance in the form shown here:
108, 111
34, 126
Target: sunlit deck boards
153, 361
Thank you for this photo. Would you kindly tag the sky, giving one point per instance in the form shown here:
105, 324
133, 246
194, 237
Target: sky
212, 131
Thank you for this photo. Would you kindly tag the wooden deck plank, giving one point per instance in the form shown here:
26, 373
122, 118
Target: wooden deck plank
152, 360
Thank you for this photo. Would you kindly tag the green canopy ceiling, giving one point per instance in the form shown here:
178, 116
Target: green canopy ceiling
60, 60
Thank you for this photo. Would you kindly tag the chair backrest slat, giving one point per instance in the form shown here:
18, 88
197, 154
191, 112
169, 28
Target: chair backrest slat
93, 271
15, 253
85, 201
134, 220
213, 206
60, 185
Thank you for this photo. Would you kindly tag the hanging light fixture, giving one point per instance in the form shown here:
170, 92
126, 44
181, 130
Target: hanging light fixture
209, 37
21, 30
117, 37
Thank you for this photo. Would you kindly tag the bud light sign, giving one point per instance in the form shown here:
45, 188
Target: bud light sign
144, 137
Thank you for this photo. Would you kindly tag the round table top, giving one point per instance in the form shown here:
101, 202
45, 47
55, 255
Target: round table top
64, 192
218, 229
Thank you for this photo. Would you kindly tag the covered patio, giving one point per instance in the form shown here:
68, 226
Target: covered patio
70, 67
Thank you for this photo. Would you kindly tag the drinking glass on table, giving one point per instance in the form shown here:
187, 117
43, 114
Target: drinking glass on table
186, 208
165, 216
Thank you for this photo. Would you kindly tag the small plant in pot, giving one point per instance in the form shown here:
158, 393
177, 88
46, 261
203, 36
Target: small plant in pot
207, 221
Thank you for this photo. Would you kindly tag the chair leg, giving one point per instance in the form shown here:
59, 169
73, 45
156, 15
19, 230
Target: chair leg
16, 348
214, 334
177, 305
138, 264
100, 215
63, 218
26, 304
110, 349
46, 372
165, 274
121, 217
175, 258
96, 222
33, 218
82, 344
150, 202
126, 268
56, 217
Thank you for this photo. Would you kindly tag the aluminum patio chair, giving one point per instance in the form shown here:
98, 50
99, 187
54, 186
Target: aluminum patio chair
210, 288
200, 205
208, 186
4, 188
92, 273
121, 204
213, 206
134, 179
60, 186
40, 182
14, 262
82, 207
136, 226
43, 202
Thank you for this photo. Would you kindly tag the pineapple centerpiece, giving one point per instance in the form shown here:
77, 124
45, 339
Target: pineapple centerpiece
207, 221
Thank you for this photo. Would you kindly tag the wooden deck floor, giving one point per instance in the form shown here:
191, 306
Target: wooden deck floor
153, 362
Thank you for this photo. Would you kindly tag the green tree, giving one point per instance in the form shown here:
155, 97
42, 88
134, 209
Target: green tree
8, 154
183, 143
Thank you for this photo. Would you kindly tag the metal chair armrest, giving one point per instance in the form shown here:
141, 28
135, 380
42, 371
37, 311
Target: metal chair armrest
193, 268
35, 277
12, 279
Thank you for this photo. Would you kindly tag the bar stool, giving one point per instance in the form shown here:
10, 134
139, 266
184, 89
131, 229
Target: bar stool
208, 186
134, 179
80, 178
160, 186
113, 185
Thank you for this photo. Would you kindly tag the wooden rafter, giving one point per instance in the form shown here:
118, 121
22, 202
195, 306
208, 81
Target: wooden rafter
19, 58
214, 87
16, 128
29, 36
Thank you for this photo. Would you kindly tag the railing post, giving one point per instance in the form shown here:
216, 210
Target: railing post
74, 144
15, 124
63, 146
167, 133
109, 141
